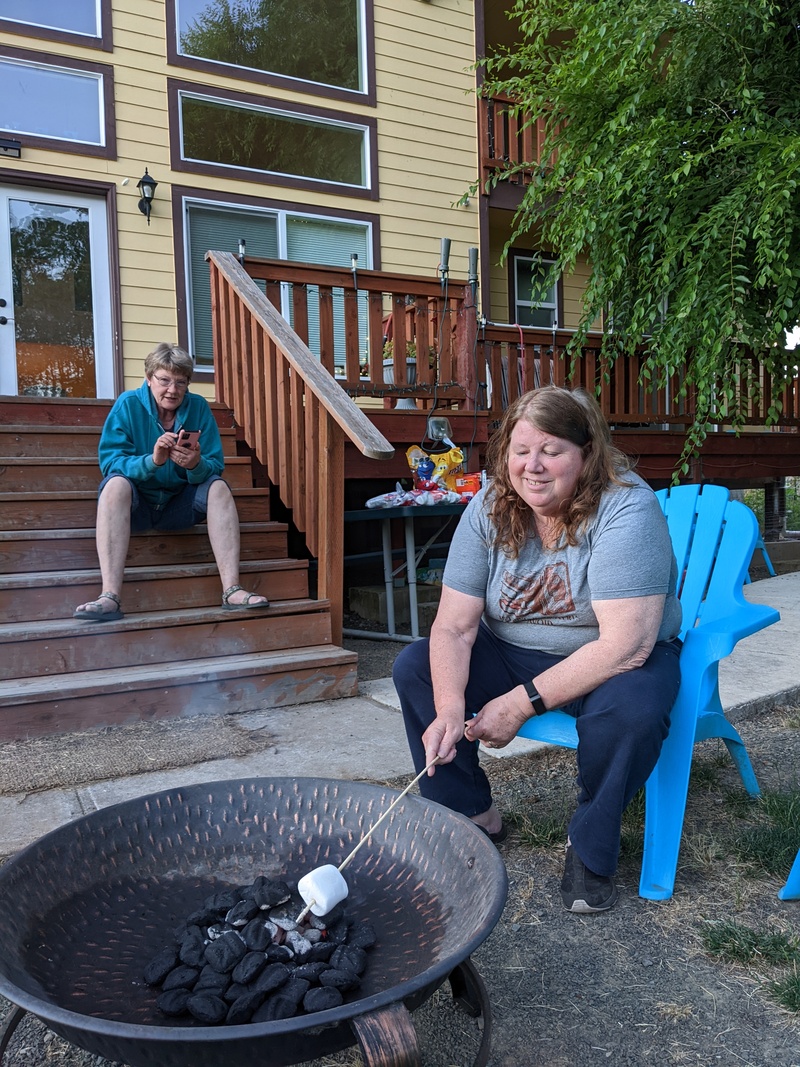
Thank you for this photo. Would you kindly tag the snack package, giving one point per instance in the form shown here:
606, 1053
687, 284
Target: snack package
446, 465
467, 485
404, 498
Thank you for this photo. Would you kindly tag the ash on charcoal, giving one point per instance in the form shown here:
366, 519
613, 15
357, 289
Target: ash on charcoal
242, 957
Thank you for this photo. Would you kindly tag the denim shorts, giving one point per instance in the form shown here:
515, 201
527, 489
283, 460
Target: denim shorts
186, 509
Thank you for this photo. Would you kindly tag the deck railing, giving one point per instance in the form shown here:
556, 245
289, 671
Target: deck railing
380, 334
395, 336
293, 414
521, 358
508, 139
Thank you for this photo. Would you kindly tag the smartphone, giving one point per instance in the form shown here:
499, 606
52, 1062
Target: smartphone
188, 437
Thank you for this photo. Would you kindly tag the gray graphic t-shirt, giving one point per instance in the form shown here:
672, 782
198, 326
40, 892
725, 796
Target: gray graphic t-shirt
543, 598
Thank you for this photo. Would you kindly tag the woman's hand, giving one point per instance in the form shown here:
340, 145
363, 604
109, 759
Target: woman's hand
442, 736
498, 722
186, 455
163, 448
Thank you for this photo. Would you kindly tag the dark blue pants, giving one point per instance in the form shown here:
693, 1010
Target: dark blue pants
621, 727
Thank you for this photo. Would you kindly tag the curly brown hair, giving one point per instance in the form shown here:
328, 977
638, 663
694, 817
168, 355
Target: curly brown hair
573, 415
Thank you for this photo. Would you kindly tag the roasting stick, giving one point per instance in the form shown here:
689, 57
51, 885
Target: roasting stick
372, 828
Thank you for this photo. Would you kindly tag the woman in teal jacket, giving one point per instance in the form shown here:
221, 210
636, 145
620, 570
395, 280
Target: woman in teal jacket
161, 458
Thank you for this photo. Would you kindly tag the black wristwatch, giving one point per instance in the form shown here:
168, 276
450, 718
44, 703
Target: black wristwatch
535, 699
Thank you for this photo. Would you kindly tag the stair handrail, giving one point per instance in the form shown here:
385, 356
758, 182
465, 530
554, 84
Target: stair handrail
293, 414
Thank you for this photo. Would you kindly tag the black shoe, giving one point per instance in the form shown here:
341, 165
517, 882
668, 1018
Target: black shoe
498, 836
582, 890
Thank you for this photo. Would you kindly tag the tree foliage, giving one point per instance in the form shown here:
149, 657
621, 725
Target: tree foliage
316, 40
673, 151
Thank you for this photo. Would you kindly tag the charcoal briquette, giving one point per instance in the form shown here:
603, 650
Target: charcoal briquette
173, 1002
181, 977
284, 918
249, 967
192, 950
207, 1008
280, 954
241, 913
271, 978
295, 989
224, 953
253, 887
321, 952
274, 1008
299, 945
272, 893
349, 958
204, 916
342, 980
258, 934
362, 935
224, 899
338, 931
211, 981
310, 971
217, 930
241, 1011
320, 998
159, 967
236, 990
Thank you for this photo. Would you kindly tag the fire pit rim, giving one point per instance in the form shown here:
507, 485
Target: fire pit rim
429, 979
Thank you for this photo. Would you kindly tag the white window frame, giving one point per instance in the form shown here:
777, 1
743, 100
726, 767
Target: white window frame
526, 302
65, 5
366, 167
280, 215
361, 29
91, 75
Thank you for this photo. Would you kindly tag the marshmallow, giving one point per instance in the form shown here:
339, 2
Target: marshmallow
322, 889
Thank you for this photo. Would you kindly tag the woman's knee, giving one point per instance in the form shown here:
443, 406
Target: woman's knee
117, 492
412, 666
627, 708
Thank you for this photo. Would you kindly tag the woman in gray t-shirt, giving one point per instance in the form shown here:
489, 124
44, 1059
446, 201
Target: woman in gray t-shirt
558, 592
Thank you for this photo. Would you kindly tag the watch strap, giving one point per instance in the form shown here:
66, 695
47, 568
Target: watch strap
533, 695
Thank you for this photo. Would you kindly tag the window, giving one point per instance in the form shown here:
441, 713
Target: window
66, 105
533, 302
272, 235
317, 42
86, 22
219, 228
246, 136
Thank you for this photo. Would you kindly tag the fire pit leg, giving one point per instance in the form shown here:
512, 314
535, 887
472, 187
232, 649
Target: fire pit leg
470, 994
387, 1038
12, 1021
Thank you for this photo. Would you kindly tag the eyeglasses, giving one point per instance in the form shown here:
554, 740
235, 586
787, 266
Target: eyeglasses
165, 383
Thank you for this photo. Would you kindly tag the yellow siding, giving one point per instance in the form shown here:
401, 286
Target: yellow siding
427, 150
500, 230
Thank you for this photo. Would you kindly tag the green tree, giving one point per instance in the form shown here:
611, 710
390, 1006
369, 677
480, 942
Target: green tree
673, 148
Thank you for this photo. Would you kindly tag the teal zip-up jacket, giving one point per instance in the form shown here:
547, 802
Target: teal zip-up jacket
131, 431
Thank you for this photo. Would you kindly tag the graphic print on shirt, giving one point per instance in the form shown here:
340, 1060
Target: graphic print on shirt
539, 596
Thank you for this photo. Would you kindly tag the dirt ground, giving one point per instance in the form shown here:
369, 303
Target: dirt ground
632, 987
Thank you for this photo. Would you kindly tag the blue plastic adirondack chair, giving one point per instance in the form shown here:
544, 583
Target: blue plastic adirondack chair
791, 891
713, 539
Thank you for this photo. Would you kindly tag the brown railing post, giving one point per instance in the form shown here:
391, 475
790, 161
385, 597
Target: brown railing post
466, 346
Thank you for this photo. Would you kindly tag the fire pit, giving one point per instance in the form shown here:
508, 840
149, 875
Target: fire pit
84, 908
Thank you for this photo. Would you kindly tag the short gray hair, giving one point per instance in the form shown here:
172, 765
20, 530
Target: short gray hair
169, 357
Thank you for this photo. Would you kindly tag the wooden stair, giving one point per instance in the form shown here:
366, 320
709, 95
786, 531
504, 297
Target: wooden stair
177, 651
